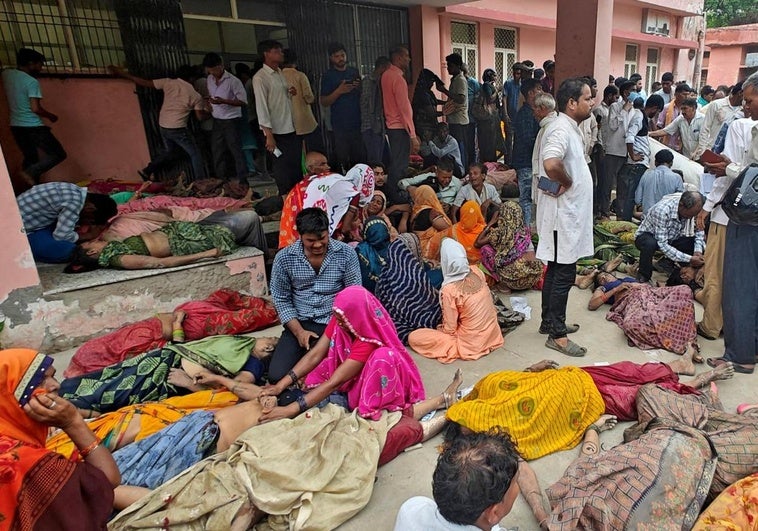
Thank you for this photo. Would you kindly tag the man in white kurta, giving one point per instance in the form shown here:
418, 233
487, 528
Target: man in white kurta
564, 220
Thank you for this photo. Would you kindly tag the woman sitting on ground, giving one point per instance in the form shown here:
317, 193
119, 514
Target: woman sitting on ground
546, 409
468, 229
166, 372
377, 207
507, 250
176, 244
469, 328
427, 219
361, 356
372, 251
42, 489
405, 288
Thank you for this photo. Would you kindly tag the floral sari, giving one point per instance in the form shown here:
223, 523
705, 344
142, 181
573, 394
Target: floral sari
389, 380
334, 193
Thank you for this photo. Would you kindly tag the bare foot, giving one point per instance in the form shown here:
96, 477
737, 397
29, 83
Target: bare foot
542, 365
585, 281
450, 395
180, 378
611, 265
725, 371
606, 422
685, 365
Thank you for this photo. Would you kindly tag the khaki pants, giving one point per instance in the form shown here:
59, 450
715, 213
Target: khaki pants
713, 320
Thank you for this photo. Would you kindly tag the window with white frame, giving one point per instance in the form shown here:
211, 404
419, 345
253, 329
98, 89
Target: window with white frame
651, 68
505, 52
464, 41
630, 60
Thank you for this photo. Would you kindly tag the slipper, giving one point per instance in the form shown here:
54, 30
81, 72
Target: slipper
571, 348
702, 333
570, 329
717, 362
745, 407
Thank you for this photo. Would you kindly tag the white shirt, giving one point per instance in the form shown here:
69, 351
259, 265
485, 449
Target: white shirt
228, 88
738, 138
272, 101
467, 193
589, 131
537, 154
716, 113
689, 132
666, 97
570, 214
614, 130
421, 514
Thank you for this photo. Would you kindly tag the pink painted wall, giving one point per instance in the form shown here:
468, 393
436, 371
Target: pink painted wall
17, 269
99, 126
724, 65
537, 45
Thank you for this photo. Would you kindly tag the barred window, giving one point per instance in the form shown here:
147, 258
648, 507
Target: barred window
630, 60
505, 52
651, 69
464, 43
463, 33
75, 36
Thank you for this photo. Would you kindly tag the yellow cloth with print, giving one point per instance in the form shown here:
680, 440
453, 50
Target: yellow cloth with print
735, 509
544, 412
154, 416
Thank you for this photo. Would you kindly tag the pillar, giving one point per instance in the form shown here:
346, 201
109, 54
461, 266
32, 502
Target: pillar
424, 22
583, 39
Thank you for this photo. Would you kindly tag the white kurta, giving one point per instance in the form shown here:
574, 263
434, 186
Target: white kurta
570, 214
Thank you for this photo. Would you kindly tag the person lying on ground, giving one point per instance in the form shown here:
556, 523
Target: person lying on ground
546, 409
176, 244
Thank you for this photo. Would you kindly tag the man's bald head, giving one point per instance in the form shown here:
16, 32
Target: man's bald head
316, 162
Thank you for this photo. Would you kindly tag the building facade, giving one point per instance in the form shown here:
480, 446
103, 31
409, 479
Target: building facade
731, 54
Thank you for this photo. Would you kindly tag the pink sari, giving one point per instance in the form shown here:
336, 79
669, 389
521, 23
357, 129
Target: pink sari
390, 380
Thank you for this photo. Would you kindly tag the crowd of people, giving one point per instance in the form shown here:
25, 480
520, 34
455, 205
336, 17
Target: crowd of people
440, 200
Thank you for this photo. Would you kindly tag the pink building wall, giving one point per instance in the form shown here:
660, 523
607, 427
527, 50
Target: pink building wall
724, 65
99, 126
728, 46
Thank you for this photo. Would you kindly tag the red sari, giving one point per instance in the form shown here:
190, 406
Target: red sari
40, 489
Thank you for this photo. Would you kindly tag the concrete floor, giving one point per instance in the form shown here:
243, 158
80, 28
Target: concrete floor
410, 474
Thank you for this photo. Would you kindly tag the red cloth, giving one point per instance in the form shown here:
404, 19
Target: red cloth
405, 433
618, 384
224, 312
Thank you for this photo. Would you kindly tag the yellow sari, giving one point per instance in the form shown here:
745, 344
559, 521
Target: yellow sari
735, 509
544, 412
154, 416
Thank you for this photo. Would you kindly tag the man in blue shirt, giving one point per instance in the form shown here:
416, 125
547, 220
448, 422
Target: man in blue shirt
525, 129
305, 278
341, 92
511, 92
657, 183
25, 103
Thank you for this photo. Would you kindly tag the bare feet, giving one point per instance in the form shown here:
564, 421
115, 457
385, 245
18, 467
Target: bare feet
685, 365
725, 371
585, 281
611, 265
450, 395
542, 365
179, 378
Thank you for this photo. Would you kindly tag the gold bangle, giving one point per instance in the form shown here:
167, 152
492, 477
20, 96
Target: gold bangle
89, 449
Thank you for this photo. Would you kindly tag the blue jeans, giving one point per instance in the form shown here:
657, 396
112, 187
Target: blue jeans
173, 141
525, 193
628, 180
47, 249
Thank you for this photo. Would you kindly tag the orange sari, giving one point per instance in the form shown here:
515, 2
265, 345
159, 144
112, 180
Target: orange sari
468, 229
40, 487
430, 239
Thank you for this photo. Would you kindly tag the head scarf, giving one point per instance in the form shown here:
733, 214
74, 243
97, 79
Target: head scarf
455, 265
510, 237
372, 251
22, 439
405, 290
333, 193
468, 229
424, 198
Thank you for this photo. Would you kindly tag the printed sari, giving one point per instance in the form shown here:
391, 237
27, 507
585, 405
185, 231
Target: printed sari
430, 238
334, 193
41, 489
389, 380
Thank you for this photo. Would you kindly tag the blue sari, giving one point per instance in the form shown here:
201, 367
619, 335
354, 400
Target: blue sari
372, 251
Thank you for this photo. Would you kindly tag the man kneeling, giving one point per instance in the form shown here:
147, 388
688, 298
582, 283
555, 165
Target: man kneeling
474, 486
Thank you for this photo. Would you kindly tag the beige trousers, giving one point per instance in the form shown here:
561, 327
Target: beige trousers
713, 320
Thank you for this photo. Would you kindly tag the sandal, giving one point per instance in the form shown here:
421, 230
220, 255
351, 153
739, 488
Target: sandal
570, 329
745, 407
571, 348
717, 362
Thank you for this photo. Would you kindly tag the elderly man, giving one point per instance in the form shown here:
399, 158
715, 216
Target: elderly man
305, 278
564, 213
669, 227
315, 165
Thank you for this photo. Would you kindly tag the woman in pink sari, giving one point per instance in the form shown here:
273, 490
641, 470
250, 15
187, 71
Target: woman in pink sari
361, 356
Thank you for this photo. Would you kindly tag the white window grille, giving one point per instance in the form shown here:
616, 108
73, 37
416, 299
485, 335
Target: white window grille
464, 42
651, 68
630, 60
505, 52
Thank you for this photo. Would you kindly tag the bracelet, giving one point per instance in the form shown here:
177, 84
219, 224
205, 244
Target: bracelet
302, 403
178, 335
295, 379
89, 449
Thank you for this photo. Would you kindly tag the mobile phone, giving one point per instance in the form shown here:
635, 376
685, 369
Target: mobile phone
546, 185
277, 152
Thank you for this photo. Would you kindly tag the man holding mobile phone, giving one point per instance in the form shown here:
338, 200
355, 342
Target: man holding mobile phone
564, 217
341, 92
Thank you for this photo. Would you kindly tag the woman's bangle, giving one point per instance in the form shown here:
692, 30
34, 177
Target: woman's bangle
295, 379
89, 449
302, 403
178, 335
